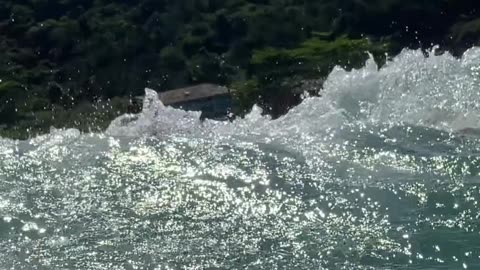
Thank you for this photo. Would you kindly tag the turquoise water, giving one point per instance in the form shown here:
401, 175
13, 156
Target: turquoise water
381, 172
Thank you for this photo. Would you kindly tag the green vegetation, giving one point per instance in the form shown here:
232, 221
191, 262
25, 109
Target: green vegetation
58, 56
279, 71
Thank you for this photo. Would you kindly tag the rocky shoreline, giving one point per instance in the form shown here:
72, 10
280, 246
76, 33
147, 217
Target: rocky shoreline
79, 63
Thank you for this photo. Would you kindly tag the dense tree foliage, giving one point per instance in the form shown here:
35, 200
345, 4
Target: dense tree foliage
57, 55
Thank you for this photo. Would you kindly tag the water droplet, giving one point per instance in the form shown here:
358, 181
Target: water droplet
30, 226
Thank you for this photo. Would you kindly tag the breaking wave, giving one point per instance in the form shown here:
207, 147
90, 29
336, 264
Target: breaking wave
380, 171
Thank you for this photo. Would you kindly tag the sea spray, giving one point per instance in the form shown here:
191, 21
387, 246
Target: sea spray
380, 171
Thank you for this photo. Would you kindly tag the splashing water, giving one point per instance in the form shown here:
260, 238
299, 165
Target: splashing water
381, 172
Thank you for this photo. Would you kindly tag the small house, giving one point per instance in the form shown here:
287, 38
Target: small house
212, 100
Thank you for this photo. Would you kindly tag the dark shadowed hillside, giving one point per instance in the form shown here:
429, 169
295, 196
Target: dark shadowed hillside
63, 62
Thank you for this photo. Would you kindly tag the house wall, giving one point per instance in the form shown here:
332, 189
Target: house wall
212, 107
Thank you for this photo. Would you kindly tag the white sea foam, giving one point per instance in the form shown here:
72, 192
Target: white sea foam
339, 182
438, 91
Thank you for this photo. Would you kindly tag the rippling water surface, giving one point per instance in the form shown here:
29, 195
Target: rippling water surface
382, 172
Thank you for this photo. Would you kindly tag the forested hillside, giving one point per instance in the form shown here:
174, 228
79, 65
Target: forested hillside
58, 57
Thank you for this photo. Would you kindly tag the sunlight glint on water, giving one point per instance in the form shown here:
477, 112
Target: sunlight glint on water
380, 172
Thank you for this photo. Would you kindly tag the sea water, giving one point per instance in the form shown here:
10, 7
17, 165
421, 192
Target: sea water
380, 172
